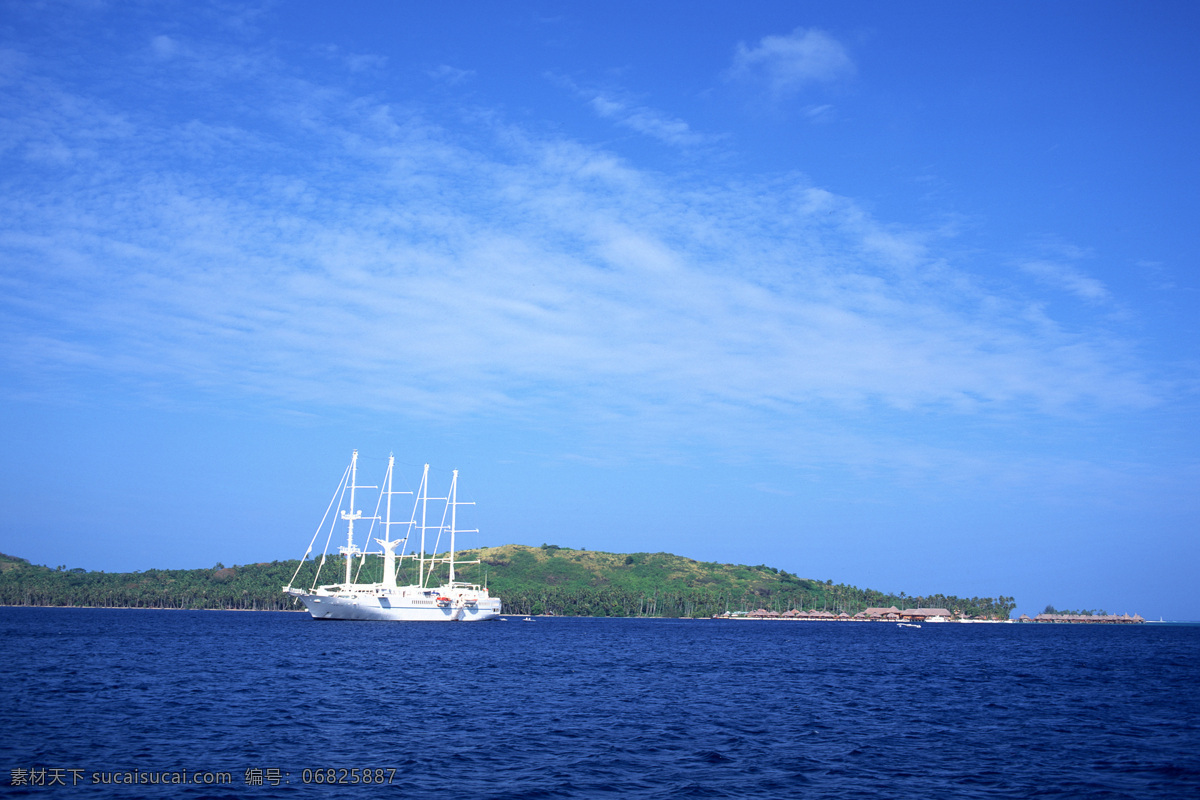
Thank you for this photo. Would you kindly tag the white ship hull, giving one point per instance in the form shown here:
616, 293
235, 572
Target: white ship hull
400, 605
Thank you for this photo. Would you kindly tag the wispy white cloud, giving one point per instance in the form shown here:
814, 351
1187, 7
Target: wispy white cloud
821, 113
647, 121
450, 75
377, 261
353, 62
363, 62
785, 65
12, 64
1068, 278
627, 113
1157, 275
164, 47
47, 125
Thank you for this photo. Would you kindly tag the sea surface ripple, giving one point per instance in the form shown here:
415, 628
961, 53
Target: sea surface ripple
583, 708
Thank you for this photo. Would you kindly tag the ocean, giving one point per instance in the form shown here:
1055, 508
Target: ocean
277, 705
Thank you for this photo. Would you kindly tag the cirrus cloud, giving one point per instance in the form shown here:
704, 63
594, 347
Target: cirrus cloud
343, 252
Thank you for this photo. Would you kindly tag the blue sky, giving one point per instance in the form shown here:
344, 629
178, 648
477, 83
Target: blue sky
902, 296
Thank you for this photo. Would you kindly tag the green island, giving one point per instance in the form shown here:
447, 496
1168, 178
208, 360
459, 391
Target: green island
530, 580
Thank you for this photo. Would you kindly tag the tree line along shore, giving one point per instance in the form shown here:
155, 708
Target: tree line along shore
529, 580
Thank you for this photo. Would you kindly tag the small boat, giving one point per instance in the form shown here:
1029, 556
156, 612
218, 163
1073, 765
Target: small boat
437, 594
907, 625
527, 619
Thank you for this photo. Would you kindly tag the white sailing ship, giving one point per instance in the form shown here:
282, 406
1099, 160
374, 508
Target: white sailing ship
437, 594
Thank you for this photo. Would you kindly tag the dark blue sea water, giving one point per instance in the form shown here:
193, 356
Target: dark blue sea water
583, 708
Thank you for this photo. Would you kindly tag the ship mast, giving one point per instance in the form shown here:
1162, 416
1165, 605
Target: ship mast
424, 505
453, 509
350, 551
389, 545
454, 504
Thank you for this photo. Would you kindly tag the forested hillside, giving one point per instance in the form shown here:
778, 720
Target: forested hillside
529, 580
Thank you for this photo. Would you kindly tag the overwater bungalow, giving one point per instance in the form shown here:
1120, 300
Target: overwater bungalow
926, 615
884, 614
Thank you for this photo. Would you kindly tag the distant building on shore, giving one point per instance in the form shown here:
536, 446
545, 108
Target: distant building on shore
1091, 619
919, 615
